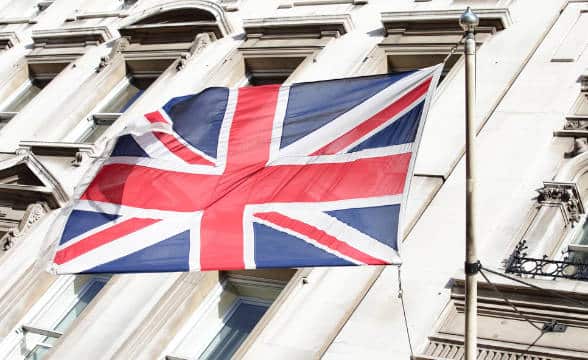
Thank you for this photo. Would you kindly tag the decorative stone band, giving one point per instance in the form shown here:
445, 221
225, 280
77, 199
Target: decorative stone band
564, 195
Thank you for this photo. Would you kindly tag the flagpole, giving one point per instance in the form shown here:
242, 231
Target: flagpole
468, 21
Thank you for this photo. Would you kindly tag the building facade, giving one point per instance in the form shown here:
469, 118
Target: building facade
73, 72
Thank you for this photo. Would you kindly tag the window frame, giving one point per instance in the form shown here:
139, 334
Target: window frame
30, 331
199, 321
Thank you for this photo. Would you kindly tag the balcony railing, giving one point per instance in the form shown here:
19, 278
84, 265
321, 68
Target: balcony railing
567, 268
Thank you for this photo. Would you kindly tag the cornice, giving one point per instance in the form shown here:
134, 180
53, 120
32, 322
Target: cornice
336, 24
74, 35
498, 18
8, 39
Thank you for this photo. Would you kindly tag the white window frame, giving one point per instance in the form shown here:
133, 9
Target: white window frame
208, 329
8, 115
93, 118
47, 309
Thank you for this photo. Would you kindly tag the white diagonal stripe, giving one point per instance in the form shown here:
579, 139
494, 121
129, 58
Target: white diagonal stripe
351, 119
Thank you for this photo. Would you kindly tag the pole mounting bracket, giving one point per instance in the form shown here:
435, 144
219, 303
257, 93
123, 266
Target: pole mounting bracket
473, 268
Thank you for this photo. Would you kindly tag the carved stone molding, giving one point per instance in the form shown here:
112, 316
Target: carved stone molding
8, 40
118, 47
187, 13
286, 4
200, 43
174, 24
17, 20
314, 26
67, 37
230, 5
564, 195
45, 62
33, 213
503, 332
24, 180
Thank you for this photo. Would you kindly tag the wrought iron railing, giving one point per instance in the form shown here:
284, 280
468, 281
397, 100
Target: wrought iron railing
567, 268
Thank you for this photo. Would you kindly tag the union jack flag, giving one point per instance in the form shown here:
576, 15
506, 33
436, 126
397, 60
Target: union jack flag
308, 174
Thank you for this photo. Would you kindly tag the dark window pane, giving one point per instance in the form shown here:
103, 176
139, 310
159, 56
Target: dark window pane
128, 95
234, 332
267, 80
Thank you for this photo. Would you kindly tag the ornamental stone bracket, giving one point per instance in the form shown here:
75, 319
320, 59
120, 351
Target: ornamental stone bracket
575, 126
33, 214
28, 190
200, 43
25, 180
563, 195
118, 46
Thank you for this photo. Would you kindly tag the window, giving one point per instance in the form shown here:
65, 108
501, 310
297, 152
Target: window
20, 98
228, 315
265, 71
417, 39
276, 47
124, 94
238, 323
576, 126
61, 305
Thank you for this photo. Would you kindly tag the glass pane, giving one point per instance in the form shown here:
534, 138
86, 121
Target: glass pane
23, 98
38, 353
234, 332
80, 305
128, 95
93, 134
123, 99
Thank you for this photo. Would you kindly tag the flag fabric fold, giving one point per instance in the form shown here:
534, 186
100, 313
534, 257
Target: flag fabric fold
308, 174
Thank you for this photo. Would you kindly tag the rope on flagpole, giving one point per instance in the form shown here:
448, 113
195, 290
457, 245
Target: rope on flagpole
552, 292
401, 296
454, 49
508, 301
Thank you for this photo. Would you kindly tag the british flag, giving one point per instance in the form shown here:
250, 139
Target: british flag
308, 174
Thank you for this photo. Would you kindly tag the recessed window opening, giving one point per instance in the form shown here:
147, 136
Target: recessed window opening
270, 70
398, 63
23, 95
58, 315
229, 314
120, 99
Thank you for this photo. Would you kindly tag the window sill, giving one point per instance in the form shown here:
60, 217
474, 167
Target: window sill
48, 148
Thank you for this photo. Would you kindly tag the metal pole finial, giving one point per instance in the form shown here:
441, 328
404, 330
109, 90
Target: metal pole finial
469, 20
